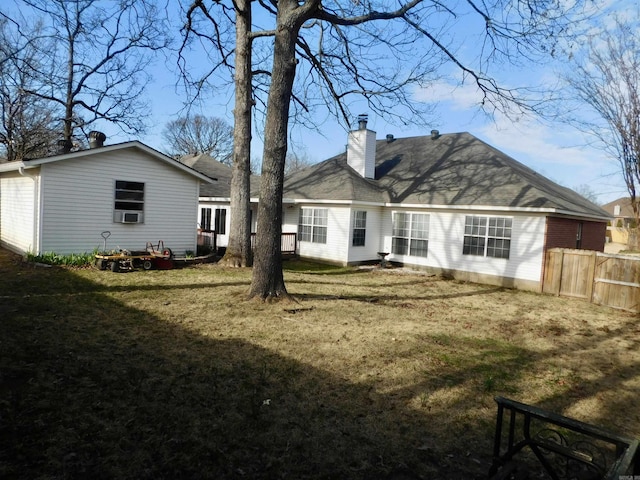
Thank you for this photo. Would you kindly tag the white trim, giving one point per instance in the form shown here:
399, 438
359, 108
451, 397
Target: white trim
485, 208
28, 164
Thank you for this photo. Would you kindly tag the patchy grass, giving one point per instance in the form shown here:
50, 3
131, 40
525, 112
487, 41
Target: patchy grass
173, 374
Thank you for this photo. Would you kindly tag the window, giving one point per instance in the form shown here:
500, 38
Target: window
579, 236
410, 234
359, 228
129, 196
487, 236
312, 225
205, 219
220, 225
129, 202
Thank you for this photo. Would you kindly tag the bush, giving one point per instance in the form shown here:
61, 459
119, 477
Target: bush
71, 260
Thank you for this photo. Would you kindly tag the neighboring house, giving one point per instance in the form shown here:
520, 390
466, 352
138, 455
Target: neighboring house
213, 208
623, 220
450, 204
64, 203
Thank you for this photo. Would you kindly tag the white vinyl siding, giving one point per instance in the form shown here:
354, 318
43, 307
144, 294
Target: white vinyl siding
338, 243
446, 234
78, 199
18, 212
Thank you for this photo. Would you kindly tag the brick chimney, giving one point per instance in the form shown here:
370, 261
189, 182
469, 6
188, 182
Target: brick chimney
361, 149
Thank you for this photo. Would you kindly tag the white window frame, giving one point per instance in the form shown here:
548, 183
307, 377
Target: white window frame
312, 225
359, 231
487, 236
410, 234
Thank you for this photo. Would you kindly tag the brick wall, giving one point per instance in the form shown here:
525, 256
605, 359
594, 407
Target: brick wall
563, 233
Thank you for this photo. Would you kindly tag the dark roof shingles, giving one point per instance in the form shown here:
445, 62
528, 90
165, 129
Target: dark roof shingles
451, 170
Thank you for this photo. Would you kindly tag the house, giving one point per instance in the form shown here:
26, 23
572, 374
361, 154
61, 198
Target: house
450, 204
128, 192
214, 203
623, 220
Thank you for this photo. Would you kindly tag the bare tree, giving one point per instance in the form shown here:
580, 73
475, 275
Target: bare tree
216, 32
296, 161
512, 29
192, 135
97, 57
607, 80
325, 55
27, 123
587, 192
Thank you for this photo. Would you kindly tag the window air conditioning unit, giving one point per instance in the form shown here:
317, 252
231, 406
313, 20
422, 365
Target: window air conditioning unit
128, 217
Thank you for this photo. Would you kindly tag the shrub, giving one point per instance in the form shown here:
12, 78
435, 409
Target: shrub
71, 260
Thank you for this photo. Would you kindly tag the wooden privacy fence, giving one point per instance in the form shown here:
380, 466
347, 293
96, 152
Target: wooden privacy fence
605, 279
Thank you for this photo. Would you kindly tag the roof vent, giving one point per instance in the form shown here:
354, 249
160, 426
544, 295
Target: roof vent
64, 146
435, 134
389, 138
362, 121
96, 139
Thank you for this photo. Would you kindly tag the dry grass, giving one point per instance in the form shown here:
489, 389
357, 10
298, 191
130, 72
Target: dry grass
173, 374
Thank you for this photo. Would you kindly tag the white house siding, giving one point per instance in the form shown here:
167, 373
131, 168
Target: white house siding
446, 233
78, 203
338, 232
372, 244
18, 206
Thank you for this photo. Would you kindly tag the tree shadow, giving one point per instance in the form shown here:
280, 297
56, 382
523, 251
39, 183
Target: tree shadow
90, 386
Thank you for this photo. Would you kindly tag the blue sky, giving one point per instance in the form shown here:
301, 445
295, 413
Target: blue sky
555, 150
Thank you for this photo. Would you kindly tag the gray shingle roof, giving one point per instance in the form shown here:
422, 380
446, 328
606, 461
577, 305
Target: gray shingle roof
215, 169
452, 170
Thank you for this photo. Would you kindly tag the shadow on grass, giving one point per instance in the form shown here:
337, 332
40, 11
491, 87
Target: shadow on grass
391, 298
90, 387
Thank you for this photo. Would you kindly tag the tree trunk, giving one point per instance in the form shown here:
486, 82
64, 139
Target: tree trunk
67, 122
238, 252
268, 280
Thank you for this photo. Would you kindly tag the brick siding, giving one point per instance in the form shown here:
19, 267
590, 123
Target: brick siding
563, 232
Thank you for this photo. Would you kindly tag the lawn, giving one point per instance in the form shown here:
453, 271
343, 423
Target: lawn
372, 374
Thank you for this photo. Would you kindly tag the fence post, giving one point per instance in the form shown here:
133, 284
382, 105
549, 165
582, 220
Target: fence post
592, 276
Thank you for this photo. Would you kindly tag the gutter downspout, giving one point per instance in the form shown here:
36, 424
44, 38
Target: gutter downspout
36, 209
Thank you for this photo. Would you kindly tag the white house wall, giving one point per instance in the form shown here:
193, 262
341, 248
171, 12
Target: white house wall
372, 243
78, 203
18, 207
338, 232
446, 232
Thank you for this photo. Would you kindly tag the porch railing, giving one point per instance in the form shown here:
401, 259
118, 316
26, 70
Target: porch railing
288, 243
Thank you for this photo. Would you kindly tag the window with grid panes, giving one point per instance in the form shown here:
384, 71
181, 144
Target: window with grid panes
359, 228
312, 225
410, 234
487, 236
